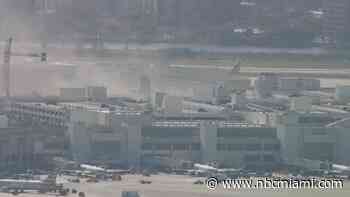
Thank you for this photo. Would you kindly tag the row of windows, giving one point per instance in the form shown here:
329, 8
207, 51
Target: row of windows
255, 158
180, 147
39, 117
38, 110
246, 132
45, 113
319, 151
50, 122
160, 132
247, 147
105, 147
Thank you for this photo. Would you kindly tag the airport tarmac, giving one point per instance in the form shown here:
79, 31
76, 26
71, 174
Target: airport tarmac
28, 78
182, 186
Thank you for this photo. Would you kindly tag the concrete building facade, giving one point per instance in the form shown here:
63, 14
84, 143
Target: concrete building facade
141, 140
307, 136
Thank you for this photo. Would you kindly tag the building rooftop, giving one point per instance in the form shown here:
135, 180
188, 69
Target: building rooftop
176, 124
103, 108
194, 123
39, 105
230, 124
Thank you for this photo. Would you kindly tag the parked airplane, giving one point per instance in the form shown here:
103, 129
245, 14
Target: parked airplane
92, 168
98, 169
324, 167
209, 168
236, 68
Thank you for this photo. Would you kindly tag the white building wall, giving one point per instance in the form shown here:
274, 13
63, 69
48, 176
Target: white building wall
295, 137
134, 144
3, 121
289, 137
208, 137
80, 142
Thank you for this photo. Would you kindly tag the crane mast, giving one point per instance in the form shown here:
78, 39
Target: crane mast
7, 61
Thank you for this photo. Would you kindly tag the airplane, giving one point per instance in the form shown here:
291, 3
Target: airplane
201, 72
207, 170
339, 170
96, 172
233, 70
323, 167
97, 169
74, 168
92, 168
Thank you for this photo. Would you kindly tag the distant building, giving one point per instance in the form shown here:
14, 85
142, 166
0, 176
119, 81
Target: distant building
91, 93
158, 98
72, 94
27, 146
96, 93
18, 149
145, 87
51, 116
265, 84
172, 104
336, 20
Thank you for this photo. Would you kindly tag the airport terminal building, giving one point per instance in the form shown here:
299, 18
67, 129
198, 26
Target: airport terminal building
124, 135
137, 138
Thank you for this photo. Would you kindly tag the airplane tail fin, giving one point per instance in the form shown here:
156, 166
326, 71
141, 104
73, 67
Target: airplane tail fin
236, 67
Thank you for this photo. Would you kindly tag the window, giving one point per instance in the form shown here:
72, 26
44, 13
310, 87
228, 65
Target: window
271, 147
162, 146
181, 147
235, 147
196, 146
251, 158
221, 147
146, 146
165, 132
269, 158
253, 147
246, 132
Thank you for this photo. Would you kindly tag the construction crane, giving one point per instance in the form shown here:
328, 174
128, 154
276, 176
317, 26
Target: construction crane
7, 60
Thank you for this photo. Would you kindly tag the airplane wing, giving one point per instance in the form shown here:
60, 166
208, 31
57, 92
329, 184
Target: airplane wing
92, 168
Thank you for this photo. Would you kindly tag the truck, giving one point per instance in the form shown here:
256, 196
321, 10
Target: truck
130, 194
16, 186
